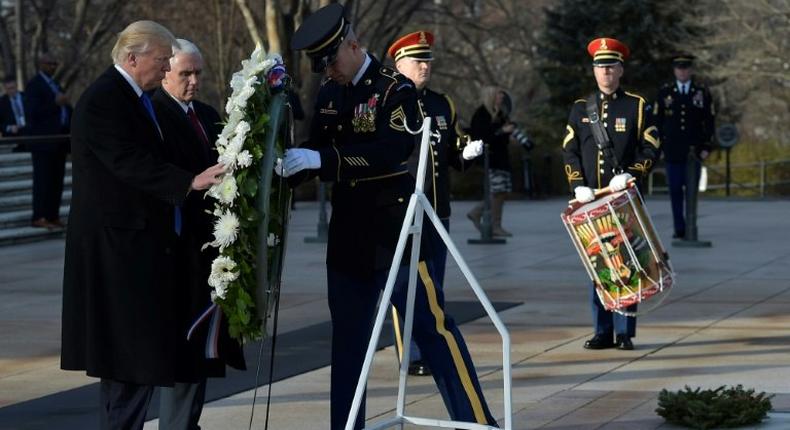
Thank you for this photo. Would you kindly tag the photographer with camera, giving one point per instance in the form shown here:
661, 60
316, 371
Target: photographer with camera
491, 124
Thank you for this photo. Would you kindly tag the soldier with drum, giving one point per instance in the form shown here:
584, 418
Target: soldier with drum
626, 148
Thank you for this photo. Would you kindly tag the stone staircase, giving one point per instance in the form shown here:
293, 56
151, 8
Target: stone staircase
16, 199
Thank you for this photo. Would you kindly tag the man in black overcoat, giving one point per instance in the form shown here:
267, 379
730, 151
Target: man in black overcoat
119, 301
13, 113
190, 128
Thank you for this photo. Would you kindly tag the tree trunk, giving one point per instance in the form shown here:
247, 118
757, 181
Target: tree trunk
273, 26
249, 20
20, 46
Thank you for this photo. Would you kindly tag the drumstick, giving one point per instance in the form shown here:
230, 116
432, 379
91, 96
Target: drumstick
600, 192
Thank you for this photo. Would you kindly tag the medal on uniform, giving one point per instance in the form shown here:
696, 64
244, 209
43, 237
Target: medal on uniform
619, 125
441, 123
667, 101
699, 99
364, 120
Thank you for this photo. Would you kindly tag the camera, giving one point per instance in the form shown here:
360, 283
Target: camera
522, 138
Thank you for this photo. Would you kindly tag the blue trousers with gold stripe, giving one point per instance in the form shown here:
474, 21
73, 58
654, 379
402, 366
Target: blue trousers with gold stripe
352, 304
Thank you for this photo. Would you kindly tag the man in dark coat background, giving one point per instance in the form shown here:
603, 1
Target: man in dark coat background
119, 297
13, 115
190, 128
50, 113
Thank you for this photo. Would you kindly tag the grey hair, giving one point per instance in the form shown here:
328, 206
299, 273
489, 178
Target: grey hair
186, 47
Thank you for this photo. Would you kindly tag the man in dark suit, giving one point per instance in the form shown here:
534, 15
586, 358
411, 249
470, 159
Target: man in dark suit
120, 304
50, 113
13, 121
189, 128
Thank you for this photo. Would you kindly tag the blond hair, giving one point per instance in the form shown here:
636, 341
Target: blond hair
488, 97
138, 37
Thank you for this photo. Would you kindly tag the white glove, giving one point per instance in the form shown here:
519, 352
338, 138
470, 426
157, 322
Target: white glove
472, 149
298, 159
619, 182
584, 194
278, 166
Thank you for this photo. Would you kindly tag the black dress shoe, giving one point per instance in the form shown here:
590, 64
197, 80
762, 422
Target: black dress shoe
419, 368
599, 342
678, 235
624, 342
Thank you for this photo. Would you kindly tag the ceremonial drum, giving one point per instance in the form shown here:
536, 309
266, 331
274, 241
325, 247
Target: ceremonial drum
620, 250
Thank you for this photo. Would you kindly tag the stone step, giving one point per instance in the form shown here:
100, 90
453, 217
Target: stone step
22, 171
24, 201
16, 235
21, 218
25, 186
14, 158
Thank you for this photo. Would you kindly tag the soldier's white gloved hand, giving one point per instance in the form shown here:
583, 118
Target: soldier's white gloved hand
298, 159
619, 182
584, 194
473, 149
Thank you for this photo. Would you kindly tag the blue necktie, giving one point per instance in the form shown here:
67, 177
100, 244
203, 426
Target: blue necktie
149, 107
64, 113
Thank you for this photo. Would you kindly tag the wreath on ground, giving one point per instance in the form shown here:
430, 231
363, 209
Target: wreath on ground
720, 408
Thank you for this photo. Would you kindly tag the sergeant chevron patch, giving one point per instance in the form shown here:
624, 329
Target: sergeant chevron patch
398, 119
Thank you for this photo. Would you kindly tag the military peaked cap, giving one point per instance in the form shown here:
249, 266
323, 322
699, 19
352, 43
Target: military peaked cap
321, 34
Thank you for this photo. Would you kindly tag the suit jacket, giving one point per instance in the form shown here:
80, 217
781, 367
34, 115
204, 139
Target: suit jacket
7, 116
184, 148
45, 114
118, 282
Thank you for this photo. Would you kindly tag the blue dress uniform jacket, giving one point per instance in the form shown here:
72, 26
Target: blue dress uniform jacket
444, 152
629, 126
359, 131
684, 120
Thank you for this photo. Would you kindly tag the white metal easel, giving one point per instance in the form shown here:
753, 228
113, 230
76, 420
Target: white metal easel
412, 225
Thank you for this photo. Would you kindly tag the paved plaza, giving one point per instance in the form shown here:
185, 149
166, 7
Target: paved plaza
727, 321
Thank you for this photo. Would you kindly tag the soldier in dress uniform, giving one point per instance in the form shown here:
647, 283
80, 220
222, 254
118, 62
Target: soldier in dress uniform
684, 116
413, 58
588, 167
359, 141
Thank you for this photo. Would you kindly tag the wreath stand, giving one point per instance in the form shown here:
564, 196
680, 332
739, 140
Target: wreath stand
412, 225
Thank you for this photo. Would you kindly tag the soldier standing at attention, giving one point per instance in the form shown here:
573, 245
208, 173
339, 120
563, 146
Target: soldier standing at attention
413, 58
684, 116
359, 141
630, 149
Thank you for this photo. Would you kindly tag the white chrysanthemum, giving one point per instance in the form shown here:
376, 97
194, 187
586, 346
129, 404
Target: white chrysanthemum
230, 105
237, 81
242, 129
222, 273
221, 142
244, 159
226, 230
226, 191
235, 116
241, 99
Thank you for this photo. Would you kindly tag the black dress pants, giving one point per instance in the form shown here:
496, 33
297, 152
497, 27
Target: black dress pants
123, 405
